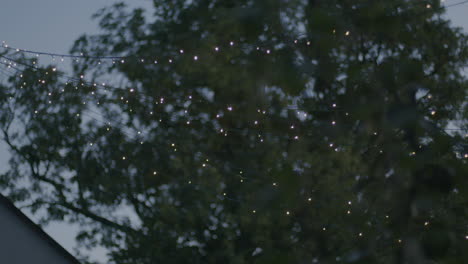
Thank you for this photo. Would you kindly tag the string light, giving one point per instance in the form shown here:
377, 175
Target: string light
181, 51
230, 109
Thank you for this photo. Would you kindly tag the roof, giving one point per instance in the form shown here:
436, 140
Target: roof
38, 230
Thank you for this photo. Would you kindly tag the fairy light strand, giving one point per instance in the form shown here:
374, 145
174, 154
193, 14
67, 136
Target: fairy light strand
181, 52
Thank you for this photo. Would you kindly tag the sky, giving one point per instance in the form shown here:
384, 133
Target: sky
53, 25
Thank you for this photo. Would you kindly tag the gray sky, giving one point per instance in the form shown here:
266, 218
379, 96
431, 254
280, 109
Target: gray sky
53, 25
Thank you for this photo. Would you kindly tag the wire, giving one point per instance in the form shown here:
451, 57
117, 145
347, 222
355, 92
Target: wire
5, 46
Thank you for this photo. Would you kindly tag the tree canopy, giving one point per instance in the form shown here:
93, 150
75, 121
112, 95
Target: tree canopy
208, 131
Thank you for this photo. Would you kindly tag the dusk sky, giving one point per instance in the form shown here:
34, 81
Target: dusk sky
53, 25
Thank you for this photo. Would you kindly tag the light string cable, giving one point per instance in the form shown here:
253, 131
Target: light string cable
132, 92
334, 108
228, 129
217, 48
287, 212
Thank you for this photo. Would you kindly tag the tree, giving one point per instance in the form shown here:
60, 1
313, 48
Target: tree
251, 132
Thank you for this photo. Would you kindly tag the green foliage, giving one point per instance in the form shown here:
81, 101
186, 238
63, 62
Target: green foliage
349, 160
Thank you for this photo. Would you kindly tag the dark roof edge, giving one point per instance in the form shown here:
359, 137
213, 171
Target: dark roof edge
38, 229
